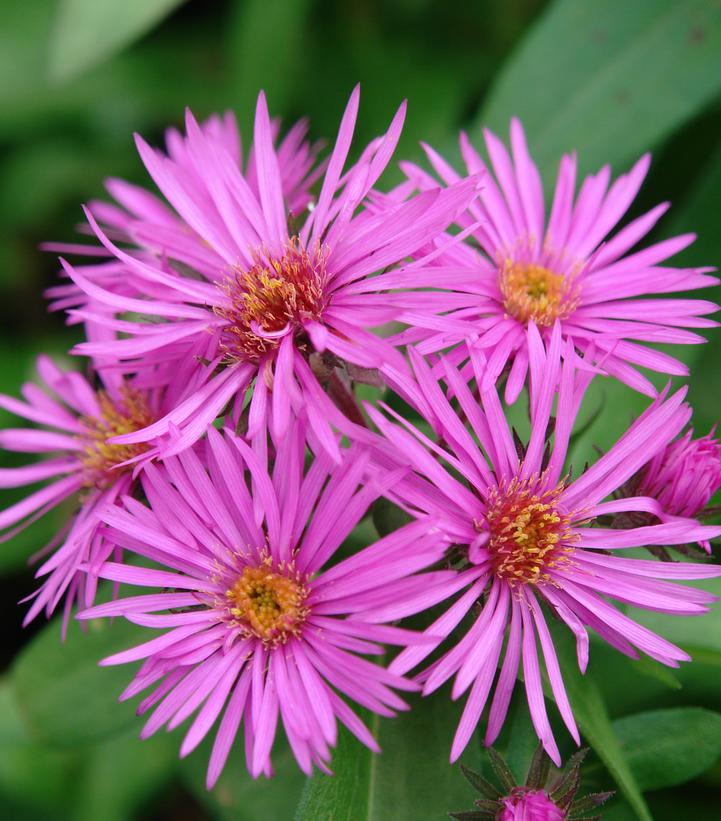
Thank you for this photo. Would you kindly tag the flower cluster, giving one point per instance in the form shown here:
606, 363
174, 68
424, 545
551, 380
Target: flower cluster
217, 456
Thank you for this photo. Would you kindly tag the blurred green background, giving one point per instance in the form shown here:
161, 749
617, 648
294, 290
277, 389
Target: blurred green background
610, 78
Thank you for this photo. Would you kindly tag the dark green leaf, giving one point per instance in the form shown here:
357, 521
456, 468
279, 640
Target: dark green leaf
700, 636
539, 769
256, 24
237, 796
412, 778
666, 747
478, 782
30, 776
89, 31
66, 699
387, 517
522, 739
595, 725
502, 770
121, 774
586, 71
698, 212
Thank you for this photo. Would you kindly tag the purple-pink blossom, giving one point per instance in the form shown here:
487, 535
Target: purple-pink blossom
529, 805
538, 268
685, 475
525, 534
277, 298
260, 624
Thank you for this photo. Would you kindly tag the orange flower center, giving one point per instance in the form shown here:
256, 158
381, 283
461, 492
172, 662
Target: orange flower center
532, 292
529, 533
267, 605
273, 296
127, 415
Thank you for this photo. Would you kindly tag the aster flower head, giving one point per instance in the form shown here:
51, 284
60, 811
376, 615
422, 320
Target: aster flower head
76, 423
684, 476
543, 797
262, 625
145, 223
77, 416
275, 298
528, 536
538, 269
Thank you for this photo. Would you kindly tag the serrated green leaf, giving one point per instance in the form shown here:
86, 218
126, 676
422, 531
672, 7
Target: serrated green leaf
667, 747
586, 71
89, 31
411, 779
66, 699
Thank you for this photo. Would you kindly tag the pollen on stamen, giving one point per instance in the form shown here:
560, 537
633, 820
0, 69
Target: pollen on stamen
529, 533
533, 292
125, 415
273, 297
267, 604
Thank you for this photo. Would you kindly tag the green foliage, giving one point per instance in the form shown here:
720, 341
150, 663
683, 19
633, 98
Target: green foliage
256, 25
595, 725
609, 79
236, 796
32, 777
66, 699
700, 636
89, 31
411, 779
667, 747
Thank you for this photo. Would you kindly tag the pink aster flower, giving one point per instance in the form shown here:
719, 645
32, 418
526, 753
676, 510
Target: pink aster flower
258, 627
538, 269
154, 230
279, 300
528, 534
543, 797
684, 476
529, 805
76, 421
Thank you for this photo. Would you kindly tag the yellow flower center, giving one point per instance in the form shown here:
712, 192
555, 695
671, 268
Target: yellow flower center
273, 295
267, 605
528, 533
532, 292
127, 415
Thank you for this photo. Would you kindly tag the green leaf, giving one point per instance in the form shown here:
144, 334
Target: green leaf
89, 31
411, 779
700, 636
388, 517
122, 774
522, 738
66, 699
610, 79
698, 212
593, 720
31, 777
667, 747
257, 24
236, 796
